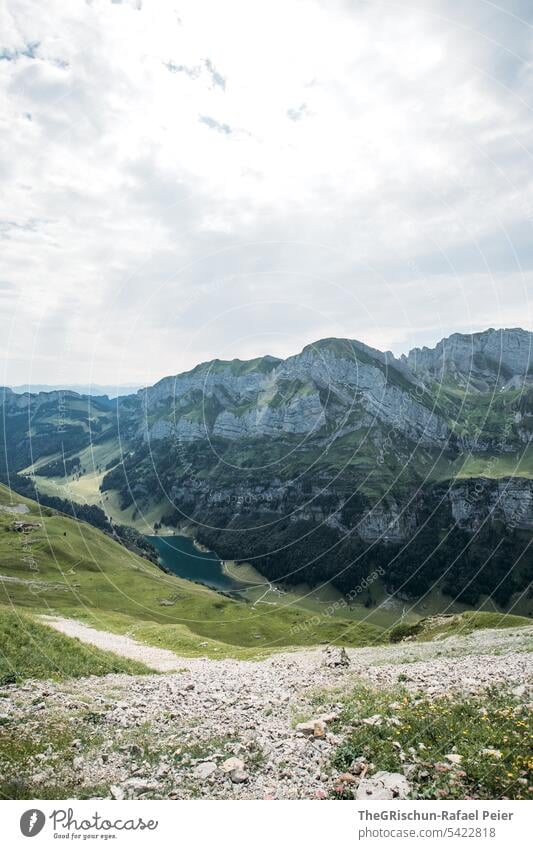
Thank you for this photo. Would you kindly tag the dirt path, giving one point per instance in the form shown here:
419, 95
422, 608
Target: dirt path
161, 660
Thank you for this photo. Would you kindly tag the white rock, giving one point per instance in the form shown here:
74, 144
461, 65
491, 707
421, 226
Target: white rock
231, 764
313, 728
384, 785
205, 770
139, 785
377, 719
238, 776
117, 792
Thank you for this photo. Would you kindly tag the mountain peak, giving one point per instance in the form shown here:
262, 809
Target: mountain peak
489, 358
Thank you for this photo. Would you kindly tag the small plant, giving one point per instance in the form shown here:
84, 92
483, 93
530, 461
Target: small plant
94, 717
256, 758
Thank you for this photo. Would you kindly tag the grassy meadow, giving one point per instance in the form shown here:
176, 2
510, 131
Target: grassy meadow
29, 649
66, 567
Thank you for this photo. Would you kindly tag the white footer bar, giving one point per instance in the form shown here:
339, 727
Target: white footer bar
272, 824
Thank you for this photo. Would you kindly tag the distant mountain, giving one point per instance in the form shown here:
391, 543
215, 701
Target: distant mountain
82, 389
318, 467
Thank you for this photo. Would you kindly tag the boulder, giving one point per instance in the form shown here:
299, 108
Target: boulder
238, 776
347, 778
492, 753
205, 770
232, 764
328, 717
313, 728
117, 792
336, 657
384, 785
359, 765
162, 771
138, 786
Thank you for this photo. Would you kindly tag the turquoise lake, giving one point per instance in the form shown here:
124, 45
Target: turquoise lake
180, 556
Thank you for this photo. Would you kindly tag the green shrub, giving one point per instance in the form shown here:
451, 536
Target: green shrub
401, 631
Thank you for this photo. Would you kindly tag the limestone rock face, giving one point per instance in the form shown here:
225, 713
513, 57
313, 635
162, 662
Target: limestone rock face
380, 385
388, 524
15, 402
509, 500
207, 377
338, 400
322, 388
481, 360
300, 415
183, 429
338, 385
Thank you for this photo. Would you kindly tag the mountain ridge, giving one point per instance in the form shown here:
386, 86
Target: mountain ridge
404, 362
315, 467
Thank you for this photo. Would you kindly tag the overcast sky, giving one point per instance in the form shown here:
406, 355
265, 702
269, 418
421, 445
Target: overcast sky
198, 179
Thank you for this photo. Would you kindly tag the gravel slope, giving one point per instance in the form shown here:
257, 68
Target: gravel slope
167, 736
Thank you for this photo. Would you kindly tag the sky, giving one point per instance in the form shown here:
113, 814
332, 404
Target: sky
189, 180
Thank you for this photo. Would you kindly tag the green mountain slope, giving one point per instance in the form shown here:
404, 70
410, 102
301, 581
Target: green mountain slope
63, 566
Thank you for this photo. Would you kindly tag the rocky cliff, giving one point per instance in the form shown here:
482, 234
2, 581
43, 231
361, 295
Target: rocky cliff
330, 385
481, 361
336, 385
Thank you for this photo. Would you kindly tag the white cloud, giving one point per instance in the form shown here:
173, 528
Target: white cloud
162, 205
